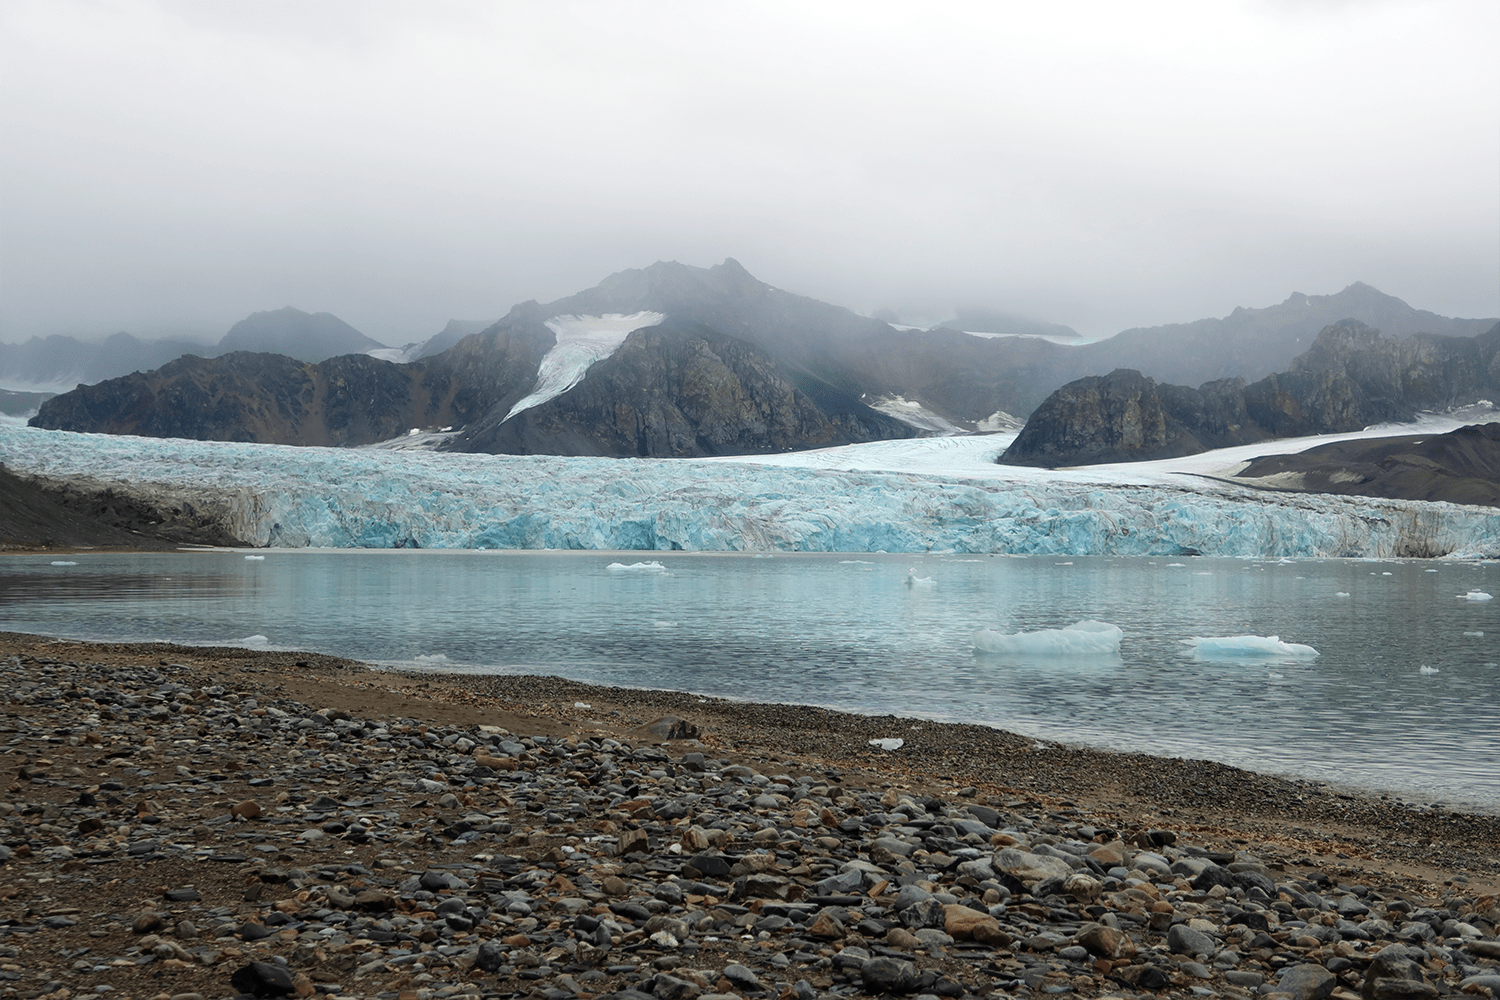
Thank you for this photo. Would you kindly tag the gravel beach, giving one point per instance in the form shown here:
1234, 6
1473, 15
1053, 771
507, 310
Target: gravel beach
220, 822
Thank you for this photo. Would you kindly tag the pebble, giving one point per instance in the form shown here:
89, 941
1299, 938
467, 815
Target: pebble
386, 857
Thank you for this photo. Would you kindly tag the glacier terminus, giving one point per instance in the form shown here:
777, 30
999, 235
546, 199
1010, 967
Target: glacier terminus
922, 495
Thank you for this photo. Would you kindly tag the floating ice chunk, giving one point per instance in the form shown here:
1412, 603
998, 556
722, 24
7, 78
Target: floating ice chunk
1341, 593
255, 558
253, 640
430, 658
855, 562
641, 567
1237, 647
1425, 669
1085, 638
63, 562
914, 581
1175, 565
1069, 563
1474, 635
889, 743
1429, 571
1476, 595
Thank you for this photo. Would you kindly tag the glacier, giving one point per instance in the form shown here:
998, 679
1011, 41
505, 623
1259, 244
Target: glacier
581, 341
921, 495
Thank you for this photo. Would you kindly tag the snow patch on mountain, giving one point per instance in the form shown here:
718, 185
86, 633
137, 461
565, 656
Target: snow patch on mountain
914, 413
581, 341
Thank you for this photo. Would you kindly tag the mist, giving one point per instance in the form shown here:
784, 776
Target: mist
172, 167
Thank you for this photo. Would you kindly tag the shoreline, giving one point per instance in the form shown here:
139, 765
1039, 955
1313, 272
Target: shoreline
201, 821
1327, 820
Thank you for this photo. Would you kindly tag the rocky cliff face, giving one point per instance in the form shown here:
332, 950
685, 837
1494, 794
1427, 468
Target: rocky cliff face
1350, 378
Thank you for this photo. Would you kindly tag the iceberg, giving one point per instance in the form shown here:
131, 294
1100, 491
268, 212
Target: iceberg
1085, 638
1476, 595
1248, 647
640, 567
911, 496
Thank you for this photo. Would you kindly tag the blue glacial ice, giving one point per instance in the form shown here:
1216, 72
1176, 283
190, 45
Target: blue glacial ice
1085, 638
926, 495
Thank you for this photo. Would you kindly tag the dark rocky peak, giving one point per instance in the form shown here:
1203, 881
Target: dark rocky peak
1339, 343
304, 336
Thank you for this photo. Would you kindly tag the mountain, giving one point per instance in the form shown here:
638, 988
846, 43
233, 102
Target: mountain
790, 371
1351, 377
58, 362
681, 387
1251, 343
300, 335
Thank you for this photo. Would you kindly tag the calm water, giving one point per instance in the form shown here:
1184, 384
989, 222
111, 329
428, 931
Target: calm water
847, 632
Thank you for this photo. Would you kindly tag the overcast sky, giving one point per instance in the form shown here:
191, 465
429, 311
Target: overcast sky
174, 166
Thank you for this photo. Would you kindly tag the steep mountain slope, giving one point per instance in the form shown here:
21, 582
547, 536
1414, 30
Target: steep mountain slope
1351, 377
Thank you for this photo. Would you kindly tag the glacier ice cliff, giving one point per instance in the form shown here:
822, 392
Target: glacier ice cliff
912, 496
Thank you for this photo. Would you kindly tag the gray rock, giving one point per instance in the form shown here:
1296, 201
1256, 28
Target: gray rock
743, 978
888, 975
1183, 940
1307, 982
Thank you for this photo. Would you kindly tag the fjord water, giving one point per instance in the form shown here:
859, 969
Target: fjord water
867, 634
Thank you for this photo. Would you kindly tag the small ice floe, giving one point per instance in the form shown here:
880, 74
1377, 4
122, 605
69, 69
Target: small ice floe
855, 562
889, 743
1474, 635
1429, 671
430, 658
253, 640
1342, 593
255, 558
919, 582
582, 704
641, 567
63, 562
1387, 574
1236, 647
1177, 565
1069, 563
1476, 595
1085, 638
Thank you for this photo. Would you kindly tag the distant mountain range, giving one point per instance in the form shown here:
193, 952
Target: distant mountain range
57, 363
716, 362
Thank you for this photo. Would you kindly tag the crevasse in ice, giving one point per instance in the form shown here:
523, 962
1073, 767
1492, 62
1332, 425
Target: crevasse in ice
933, 495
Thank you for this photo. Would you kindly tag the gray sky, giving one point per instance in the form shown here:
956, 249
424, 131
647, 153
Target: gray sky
170, 166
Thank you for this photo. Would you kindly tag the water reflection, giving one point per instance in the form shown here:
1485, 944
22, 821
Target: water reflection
851, 634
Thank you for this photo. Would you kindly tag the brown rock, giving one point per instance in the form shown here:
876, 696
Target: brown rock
248, 809
614, 885
826, 927
633, 841
1110, 855
694, 839
1106, 942
148, 922
961, 922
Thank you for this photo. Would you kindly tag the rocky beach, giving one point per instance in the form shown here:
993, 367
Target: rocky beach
183, 822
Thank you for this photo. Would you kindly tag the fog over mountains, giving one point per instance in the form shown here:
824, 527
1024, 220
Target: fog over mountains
720, 363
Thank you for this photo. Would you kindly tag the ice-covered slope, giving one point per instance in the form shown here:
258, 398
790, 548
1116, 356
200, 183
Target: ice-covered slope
939, 494
581, 341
